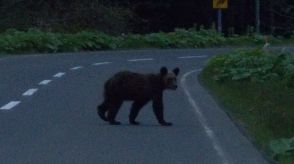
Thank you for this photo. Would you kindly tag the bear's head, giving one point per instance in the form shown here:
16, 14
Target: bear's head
169, 78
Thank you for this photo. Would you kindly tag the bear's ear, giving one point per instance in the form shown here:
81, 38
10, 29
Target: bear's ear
176, 71
163, 71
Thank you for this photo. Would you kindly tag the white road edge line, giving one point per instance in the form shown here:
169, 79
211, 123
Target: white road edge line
101, 63
209, 132
137, 60
59, 74
10, 105
77, 67
190, 57
45, 82
30, 92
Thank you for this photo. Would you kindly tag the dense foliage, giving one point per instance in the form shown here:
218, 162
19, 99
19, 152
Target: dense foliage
35, 40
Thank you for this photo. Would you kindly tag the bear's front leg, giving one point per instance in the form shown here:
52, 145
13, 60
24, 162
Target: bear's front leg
166, 124
158, 110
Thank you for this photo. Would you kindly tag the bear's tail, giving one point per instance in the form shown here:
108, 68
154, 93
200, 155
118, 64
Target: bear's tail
101, 110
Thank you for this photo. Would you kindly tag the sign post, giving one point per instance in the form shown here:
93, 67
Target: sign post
219, 21
257, 15
219, 5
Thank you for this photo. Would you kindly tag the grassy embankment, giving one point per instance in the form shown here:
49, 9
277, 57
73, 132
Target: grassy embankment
256, 87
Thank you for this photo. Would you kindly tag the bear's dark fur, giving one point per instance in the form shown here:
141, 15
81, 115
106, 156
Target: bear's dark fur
140, 88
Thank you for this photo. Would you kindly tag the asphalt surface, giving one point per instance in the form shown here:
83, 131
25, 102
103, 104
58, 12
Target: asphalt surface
58, 123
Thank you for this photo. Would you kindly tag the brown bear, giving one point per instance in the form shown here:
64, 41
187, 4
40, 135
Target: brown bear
139, 88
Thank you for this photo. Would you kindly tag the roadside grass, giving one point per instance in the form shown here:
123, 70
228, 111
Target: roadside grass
34, 40
256, 89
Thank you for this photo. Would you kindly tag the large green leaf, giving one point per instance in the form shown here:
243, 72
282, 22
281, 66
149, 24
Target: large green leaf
282, 147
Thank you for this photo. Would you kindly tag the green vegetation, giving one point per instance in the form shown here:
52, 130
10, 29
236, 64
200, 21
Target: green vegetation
281, 148
257, 89
35, 40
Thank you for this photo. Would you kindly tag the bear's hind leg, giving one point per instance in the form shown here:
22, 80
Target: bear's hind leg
101, 110
112, 112
136, 106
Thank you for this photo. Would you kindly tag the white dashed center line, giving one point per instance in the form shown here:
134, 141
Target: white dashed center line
45, 82
58, 75
190, 57
77, 67
101, 63
10, 105
137, 60
30, 92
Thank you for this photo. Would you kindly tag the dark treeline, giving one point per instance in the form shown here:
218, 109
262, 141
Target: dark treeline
144, 16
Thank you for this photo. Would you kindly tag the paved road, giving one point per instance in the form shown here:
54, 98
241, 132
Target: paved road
56, 122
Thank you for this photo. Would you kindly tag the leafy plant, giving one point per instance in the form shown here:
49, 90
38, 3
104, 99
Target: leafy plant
284, 147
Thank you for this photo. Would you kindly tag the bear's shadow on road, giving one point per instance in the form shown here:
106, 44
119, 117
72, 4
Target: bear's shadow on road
143, 125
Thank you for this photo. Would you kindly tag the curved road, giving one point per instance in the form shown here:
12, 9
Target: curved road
48, 113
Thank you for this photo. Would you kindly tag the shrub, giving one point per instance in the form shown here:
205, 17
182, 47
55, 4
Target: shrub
254, 65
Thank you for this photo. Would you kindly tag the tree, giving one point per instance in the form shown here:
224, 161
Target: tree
280, 17
144, 16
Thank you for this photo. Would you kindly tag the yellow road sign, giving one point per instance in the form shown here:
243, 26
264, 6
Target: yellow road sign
220, 4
